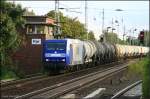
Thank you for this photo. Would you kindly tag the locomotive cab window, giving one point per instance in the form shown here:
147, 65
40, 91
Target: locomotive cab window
56, 46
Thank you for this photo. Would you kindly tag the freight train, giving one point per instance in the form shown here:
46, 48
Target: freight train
74, 54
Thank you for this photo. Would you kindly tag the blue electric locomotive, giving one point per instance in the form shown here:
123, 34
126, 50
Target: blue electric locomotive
62, 54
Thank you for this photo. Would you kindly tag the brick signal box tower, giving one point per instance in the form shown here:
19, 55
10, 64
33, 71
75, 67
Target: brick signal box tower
28, 57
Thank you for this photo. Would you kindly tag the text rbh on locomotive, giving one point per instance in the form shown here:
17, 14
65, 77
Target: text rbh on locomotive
60, 54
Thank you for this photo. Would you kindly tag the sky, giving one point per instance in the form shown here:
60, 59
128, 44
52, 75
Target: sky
135, 14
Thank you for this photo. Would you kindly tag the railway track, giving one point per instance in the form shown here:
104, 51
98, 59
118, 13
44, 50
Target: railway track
61, 88
36, 84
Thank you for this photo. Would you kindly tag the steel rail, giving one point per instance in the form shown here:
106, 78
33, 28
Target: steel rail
71, 84
95, 82
118, 94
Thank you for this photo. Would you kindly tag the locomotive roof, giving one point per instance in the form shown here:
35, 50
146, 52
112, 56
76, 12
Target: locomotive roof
60, 39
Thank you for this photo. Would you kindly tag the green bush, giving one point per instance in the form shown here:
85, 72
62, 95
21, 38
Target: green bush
7, 73
142, 68
136, 68
146, 79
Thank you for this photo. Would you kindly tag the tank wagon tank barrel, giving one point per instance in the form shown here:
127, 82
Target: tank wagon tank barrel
90, 49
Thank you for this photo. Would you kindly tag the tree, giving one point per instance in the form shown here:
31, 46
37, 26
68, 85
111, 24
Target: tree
91, 35
51, 14
113, 38
29, 13
11, 20
71, 27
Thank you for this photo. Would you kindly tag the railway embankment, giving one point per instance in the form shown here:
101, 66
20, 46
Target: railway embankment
111, 84
138, 71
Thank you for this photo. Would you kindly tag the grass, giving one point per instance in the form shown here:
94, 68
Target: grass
138, 67
142, 68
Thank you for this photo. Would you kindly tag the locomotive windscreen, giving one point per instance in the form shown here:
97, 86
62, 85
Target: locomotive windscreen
56, 46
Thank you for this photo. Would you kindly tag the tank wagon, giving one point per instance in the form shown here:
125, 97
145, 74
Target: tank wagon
69, 54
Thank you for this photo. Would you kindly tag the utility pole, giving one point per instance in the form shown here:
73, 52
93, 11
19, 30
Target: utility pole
124, 33
133, 36
117, 37
123, 27
112, 25
118, 24
13, 1
57, 19
103, 25
86, 25
118, 34
130, 37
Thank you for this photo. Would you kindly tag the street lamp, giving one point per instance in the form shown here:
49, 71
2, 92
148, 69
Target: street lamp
108, 29
68, 9
118, 10
113, 29
133, 36
107, 33
116, 21
112, 20
112, 32
118, 33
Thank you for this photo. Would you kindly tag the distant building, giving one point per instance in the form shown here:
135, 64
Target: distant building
28, 57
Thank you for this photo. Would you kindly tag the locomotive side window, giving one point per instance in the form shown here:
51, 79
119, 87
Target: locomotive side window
56, 46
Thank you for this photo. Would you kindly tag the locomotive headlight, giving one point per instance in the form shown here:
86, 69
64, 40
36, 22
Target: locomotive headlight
46, 60
63, 60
